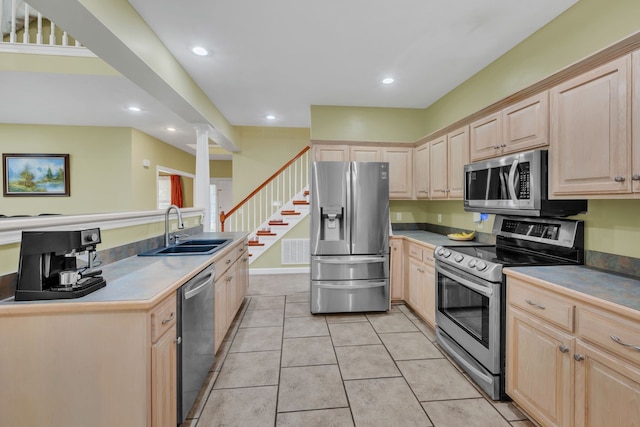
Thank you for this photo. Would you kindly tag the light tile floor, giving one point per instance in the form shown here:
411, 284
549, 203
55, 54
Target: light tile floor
281, 366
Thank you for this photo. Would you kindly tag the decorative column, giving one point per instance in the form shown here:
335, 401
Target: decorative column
201, 197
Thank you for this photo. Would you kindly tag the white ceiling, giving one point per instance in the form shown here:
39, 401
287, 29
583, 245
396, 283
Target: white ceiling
282, 56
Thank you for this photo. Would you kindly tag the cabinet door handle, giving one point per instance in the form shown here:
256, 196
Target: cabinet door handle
535, 304
178, 340
503, 145
420, 270
496, 147
228, 261
636, 177
619, 178
578, 357
564, 349
173, 316
619, 341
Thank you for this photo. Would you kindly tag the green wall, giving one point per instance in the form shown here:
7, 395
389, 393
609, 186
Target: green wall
221, 169
99, 167
105, 166
585, 28
263, 151
366, 124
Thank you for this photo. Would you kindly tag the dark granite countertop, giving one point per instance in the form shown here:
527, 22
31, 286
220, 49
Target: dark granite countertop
610, 287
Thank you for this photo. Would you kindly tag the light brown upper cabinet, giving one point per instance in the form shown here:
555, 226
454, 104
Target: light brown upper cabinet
519, 127
486, 137
400, 171
447, 156
421, 171
331, 153
590, 150
359, 153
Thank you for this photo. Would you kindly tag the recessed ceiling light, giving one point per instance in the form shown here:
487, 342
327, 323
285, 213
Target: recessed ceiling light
387, 80
271, 117
171, 129
133, 108
200, 51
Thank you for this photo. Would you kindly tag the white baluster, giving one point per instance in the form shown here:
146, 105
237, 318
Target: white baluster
65, 38
52, 34
25, 32
12, 35
39, 33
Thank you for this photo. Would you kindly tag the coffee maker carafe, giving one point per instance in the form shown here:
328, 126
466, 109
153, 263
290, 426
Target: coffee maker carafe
48, 267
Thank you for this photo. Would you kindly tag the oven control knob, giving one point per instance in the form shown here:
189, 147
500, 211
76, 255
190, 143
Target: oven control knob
440, 251
481, 266
459, 258
446, 253
472, 263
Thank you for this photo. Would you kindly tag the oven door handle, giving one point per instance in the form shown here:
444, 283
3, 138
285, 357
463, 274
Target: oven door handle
512, 180
468, 283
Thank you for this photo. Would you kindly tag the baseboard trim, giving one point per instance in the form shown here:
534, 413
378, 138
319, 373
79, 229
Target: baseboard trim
296, 270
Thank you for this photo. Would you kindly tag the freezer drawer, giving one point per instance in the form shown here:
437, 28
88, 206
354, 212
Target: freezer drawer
350, 267
349, 296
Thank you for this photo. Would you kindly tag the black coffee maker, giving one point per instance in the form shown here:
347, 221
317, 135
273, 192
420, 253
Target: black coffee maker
48, 266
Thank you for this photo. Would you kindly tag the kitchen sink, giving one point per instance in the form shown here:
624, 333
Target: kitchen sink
190, 247
205, 242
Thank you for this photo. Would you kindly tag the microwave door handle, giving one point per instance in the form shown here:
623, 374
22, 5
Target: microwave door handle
511, 182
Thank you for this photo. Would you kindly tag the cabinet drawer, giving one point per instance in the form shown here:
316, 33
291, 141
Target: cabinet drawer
163, 317
427, 257
604, 329
415, 251
545, 305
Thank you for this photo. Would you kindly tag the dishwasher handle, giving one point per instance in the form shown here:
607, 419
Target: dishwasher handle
198, 284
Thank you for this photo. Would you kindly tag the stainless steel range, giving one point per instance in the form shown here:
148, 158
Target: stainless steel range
471, 289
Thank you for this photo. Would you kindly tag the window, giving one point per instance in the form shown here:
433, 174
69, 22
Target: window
164, 191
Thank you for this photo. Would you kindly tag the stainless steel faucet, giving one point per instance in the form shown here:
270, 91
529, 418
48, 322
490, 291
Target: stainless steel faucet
166, 223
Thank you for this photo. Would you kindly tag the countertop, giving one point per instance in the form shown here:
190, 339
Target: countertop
133, 283
585, 283
433, 239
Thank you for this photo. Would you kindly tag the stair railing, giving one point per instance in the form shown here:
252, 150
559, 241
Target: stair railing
18, 21
270, 196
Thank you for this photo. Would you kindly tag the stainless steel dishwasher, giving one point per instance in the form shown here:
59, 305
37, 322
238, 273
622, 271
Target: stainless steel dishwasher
196, 344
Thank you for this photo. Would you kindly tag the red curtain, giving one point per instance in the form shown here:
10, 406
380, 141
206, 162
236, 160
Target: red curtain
176, 191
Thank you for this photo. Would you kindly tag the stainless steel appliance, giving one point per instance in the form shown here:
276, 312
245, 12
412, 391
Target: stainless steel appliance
349, 237
471, 289
515, 185
195, 337
48, 265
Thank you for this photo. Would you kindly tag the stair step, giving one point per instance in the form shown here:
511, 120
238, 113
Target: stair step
255, 243
300, 202
278, 222
265, 233
289, 213
306, 192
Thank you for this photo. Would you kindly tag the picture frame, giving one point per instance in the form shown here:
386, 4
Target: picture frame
29, 175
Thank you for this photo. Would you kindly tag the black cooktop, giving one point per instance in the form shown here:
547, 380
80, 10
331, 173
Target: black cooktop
506, 257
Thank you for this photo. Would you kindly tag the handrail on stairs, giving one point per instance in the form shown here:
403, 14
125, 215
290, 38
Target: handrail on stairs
224, 216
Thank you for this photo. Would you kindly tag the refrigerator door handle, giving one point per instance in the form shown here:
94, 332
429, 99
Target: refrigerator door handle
346, 286
359, 260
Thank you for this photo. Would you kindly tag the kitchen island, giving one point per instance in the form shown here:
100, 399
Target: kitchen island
109, 358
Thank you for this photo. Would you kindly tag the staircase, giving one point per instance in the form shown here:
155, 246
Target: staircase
274, 208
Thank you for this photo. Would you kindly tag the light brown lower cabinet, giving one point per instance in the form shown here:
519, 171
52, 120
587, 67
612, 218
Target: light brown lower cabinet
420, 287
571, 373
230, 289
397, 270
164, 380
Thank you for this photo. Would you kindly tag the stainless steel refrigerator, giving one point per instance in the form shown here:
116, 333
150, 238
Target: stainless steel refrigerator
349, 237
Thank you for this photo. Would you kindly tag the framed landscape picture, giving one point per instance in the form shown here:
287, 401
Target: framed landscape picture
35, 174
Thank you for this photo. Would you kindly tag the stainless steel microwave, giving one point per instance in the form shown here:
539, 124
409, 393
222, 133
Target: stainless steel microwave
515, 185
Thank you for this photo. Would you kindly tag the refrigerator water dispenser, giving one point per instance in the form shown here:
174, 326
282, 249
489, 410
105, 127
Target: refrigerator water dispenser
332, 224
